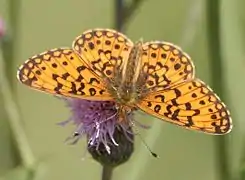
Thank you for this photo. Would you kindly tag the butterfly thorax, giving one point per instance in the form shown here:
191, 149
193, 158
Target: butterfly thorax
127, 84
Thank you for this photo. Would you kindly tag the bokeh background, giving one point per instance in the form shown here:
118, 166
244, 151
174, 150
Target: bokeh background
32, 145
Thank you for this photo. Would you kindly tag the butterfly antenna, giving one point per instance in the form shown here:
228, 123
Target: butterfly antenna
149, 149
143, 141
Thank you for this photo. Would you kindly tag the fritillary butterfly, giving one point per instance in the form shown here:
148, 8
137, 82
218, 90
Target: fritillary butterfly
155, 77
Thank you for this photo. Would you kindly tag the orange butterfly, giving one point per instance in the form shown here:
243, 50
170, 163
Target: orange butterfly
156, 77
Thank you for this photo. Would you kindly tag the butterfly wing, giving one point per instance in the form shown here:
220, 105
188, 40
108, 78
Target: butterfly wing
176, 95
165, 65
192, 105
62, 72
103, 50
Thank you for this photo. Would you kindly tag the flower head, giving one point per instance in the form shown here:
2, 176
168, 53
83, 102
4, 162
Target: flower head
2, 28
98, 122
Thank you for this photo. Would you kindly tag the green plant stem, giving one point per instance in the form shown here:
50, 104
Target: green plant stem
10, 106
10, 48
124, 12
130, 10
8, 51
119, 14
217, 81
241, 170
107, 172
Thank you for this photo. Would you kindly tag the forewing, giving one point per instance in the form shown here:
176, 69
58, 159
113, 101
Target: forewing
192, 105
165, 65
103, 50
62, 72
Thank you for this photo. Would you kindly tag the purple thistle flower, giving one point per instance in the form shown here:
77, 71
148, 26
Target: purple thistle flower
99, 122
2, 28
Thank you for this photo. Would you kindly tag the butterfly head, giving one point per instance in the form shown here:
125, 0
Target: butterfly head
124, 112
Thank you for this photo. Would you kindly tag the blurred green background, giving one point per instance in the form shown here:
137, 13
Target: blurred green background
184, 155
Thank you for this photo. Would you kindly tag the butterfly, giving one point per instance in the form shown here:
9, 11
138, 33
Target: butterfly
156, 77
